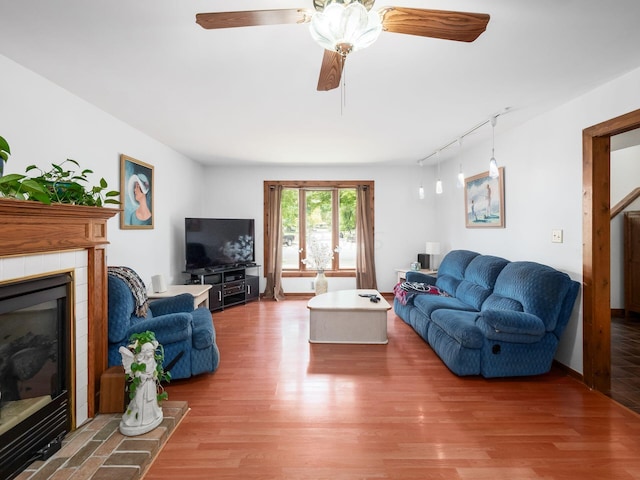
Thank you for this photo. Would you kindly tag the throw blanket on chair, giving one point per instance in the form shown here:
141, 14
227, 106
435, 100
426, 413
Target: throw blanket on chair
137, 286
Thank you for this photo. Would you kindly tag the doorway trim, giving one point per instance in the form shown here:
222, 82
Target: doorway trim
596, 251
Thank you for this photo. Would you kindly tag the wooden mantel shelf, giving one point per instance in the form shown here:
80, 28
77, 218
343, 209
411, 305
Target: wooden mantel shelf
31, 227
28, 227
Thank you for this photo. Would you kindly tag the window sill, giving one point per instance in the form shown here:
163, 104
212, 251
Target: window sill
313, 273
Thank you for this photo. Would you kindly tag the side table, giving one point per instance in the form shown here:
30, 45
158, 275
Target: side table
199, 292
402, 273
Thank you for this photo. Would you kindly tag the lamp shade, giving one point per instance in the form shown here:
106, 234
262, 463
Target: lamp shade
493, 168
345, 29
432, 248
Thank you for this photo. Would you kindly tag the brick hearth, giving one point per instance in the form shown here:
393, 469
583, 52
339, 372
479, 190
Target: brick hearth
98, 451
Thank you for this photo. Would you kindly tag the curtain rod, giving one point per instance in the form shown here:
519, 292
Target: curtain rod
460, 137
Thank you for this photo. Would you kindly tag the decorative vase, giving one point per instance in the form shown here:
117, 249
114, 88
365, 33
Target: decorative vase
321, 283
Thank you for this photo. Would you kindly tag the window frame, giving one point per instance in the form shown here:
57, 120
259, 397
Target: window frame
313, 185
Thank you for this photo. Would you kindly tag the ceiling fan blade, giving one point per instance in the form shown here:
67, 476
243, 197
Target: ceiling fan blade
252, 18
460, 26
331, 71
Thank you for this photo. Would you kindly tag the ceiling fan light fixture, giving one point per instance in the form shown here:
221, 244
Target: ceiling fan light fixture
345, 28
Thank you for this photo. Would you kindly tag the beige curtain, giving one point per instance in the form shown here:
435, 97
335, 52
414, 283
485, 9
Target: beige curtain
273, 268
365, 254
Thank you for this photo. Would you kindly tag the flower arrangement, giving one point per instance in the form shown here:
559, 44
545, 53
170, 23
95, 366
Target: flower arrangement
319, 255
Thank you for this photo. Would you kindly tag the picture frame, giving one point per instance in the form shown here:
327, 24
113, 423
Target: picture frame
136, 194
484, 201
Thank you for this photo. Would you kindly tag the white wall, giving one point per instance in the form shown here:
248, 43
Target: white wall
625, 177
44, 123
402, 223
543, 190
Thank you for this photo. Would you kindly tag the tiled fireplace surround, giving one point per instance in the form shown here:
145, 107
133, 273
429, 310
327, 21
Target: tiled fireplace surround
38, 239
13, 268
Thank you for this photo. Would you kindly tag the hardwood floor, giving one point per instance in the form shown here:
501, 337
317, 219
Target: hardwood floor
625, 361
281, 408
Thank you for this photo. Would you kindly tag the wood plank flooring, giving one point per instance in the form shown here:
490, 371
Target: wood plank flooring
625, 361
281, 408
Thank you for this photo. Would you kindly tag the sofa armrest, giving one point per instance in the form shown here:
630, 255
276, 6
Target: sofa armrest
511, 326
179, 303
420, 277
172, 328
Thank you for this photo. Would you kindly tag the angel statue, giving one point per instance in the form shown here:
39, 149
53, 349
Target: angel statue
143, 413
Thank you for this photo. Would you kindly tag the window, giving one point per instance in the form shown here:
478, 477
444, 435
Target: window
317, 216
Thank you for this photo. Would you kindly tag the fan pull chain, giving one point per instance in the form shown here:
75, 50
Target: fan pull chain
343, 87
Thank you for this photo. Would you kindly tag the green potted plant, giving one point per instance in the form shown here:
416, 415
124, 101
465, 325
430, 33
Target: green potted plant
5, 151
62, 183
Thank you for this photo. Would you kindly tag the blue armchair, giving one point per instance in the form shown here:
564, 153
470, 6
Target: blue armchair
188, 336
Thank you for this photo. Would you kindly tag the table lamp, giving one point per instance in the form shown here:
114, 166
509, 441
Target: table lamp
432, 248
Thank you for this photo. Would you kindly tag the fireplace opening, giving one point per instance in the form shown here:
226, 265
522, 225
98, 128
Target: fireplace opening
35, 369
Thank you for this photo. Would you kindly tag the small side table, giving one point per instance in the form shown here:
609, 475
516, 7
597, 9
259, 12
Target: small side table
199, 292
402, 273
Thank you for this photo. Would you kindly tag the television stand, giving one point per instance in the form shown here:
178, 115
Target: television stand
230, 285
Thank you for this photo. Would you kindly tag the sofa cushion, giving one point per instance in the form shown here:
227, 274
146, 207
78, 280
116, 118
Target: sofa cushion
461, 326
427, 304
540, 290
479, 279
496, 301
203, 332
510, 326
452, 268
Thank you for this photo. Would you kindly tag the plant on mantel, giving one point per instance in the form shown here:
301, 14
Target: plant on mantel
5, 151
62, 183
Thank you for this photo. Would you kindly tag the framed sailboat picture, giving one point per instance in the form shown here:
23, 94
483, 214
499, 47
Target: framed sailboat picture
484, 201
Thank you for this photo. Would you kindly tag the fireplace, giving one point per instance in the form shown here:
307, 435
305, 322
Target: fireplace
38, 241
36, 334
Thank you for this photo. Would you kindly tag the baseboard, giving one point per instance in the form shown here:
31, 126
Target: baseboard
617, 312
569, 371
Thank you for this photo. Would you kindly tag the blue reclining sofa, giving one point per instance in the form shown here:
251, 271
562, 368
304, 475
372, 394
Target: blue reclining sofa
488, 316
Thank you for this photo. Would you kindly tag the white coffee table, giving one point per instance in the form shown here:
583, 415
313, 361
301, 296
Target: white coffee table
346, 317
200, 293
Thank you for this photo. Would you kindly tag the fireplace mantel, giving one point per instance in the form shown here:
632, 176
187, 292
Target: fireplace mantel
28, 227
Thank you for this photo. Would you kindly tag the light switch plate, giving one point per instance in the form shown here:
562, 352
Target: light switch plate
556, 236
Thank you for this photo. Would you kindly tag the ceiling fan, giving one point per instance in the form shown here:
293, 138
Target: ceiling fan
344, 26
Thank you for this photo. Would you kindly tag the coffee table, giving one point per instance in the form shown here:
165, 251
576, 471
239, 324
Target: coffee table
346, 317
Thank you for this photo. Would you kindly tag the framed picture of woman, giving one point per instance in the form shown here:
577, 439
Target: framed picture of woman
484, 201
136, 193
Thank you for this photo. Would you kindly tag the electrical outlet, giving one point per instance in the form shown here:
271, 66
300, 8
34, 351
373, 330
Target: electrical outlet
556, 236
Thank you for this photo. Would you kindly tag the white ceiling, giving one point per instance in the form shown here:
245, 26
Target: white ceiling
248, 95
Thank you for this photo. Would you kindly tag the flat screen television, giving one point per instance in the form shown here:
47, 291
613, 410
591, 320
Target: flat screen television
215, 243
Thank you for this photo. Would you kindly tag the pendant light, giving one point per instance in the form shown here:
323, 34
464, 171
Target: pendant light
460, 179
439, 182
421, 188
493, 165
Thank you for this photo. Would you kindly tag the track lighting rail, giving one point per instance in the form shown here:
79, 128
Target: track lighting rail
459, 138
